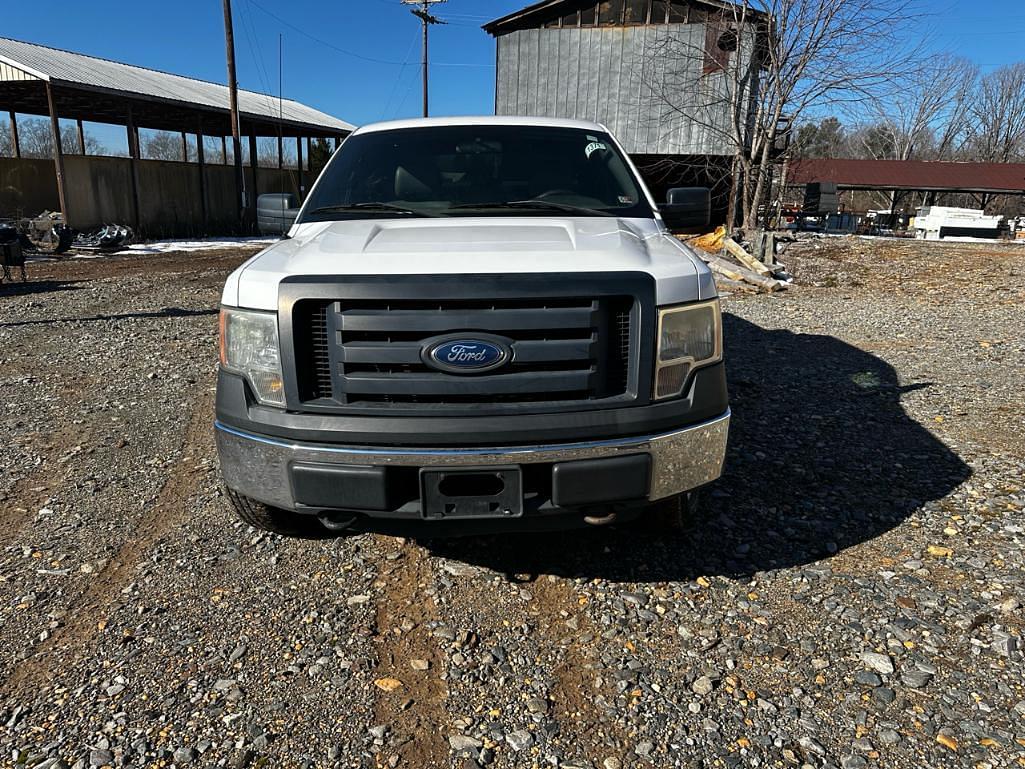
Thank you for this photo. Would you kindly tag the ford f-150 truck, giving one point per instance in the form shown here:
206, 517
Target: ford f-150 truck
473, 323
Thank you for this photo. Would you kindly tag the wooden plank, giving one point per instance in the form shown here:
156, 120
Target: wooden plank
734, 272
737, 252
736, 285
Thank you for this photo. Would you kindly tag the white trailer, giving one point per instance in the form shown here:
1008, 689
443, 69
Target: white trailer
939, 222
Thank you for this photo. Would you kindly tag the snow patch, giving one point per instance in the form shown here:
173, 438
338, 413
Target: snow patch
169, 246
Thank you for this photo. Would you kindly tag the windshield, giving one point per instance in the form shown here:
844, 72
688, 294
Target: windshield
491, 170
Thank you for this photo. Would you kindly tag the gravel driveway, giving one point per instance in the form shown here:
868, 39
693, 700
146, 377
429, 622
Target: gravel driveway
851, 595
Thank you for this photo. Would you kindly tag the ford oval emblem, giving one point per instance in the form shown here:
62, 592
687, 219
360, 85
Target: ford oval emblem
466, 354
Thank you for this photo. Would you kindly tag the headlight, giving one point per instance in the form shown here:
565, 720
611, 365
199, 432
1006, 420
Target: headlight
689, 336
249, 346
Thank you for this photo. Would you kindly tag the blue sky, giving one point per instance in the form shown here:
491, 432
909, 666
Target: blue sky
359, 59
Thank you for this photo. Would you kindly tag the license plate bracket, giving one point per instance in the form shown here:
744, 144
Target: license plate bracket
471, 492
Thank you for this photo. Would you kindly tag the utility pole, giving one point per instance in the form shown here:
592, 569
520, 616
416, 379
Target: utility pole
236, 139
423, 12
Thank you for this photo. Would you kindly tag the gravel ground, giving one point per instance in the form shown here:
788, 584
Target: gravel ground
850, 596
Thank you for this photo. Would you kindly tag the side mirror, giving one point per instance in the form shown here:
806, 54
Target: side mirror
687, 209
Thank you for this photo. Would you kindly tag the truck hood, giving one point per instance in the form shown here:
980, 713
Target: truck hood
473, 245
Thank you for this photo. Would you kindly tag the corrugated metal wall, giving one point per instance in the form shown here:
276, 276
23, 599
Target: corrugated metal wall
611, 75
7, 72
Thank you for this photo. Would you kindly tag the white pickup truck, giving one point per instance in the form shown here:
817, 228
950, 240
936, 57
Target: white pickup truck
474, 323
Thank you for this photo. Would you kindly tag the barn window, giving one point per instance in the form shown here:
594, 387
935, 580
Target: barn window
720, 42
636, 12
659, 11
677, 11
571, 19
610, 12
587, 15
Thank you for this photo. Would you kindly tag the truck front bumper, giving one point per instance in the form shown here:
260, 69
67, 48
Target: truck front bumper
382, 482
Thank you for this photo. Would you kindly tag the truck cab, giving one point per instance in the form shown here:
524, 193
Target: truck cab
474, 323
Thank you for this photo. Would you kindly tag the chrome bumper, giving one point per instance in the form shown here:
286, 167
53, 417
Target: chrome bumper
259, 466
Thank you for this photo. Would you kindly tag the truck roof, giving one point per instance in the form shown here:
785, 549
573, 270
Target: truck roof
472, 120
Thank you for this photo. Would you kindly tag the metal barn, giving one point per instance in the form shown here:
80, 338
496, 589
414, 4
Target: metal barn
653, 71
194, 195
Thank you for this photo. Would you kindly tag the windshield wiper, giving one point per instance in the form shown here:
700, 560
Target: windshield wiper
369, 206
538, 205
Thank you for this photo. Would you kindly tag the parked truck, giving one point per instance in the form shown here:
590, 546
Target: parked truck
474, 323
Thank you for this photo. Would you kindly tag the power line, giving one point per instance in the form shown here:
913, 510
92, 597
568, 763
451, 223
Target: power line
353, 54
400, 75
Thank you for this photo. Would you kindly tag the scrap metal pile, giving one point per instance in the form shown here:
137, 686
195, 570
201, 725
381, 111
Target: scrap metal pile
47, 235
110, 237
737, 267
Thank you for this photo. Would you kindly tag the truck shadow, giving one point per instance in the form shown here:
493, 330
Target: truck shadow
821, 457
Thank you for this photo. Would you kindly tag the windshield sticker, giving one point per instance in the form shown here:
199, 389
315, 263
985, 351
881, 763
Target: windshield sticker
626, 200
593, 147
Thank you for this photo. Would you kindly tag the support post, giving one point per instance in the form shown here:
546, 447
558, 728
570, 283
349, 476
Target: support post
185, 148
299, 158
58, 151
236, 139
426, 19
281, 152
253, 162
201, 164
14, 135
224, 151
133, 162
81, 137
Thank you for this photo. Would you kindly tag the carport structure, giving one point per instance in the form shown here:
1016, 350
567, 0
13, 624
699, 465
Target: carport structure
984, 180
59, 84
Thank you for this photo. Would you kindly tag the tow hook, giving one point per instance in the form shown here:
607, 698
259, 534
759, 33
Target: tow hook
601, 520
336, 521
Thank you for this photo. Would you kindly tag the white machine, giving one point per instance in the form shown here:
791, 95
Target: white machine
939, 222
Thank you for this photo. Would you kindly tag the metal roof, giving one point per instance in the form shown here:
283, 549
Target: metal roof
918, 175
523, 18
92, 73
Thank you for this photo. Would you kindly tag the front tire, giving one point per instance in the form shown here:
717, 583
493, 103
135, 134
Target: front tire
674, 513
273, 519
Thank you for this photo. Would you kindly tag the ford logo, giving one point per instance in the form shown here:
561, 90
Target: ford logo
466, 354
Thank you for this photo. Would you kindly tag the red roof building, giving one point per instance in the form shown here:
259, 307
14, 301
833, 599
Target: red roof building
910, 175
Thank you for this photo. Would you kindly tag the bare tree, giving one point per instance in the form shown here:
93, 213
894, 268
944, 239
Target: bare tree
6, 140
161, 145
997, 132
36, 141
761, 63
926, 117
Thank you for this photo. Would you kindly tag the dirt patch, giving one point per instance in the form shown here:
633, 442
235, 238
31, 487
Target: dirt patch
410, 701
85, 615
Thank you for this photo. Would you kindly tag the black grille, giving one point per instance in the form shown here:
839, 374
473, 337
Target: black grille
367, 352
311, 345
